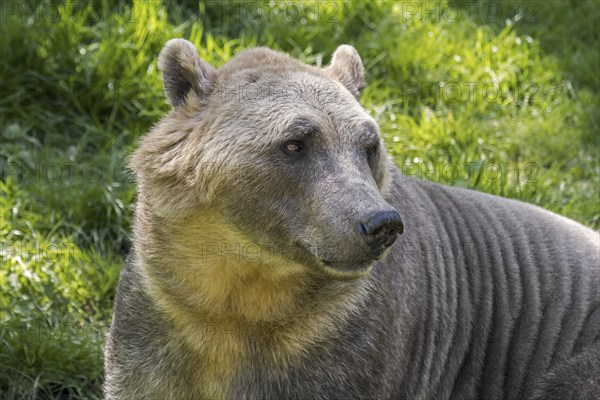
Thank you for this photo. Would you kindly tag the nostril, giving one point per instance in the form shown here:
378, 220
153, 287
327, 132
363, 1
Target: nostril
363, 229
382, 224
381, 230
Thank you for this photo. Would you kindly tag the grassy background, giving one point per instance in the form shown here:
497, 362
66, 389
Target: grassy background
500, 97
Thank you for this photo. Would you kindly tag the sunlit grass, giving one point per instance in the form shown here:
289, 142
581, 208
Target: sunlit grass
507, 105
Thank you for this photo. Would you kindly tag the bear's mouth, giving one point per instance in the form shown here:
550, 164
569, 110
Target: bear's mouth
338, 269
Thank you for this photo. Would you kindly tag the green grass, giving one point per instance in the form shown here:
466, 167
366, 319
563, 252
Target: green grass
506, 103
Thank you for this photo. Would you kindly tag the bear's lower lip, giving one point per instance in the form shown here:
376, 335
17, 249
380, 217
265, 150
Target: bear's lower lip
338, 269
350, 269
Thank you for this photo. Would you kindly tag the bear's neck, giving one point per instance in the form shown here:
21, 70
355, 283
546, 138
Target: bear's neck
231, 311
195, 269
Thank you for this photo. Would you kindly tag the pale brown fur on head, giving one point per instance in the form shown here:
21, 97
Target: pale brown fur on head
180, 152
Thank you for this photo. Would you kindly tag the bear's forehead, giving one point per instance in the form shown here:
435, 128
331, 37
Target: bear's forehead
295, 123
287, 94
286, 98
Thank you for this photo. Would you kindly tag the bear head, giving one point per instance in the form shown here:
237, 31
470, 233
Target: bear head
282, 152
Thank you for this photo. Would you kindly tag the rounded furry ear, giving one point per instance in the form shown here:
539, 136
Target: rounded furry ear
347, 67
183, 71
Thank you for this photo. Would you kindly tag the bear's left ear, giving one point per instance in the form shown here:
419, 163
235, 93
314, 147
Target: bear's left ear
347, 67
183, 71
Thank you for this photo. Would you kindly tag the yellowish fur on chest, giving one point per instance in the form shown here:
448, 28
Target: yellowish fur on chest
227, 305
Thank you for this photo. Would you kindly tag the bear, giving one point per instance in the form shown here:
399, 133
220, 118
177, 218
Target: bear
278, 253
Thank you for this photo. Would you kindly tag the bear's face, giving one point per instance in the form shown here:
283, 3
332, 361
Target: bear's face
281, 150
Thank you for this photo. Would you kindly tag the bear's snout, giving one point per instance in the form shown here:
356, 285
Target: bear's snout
381, 229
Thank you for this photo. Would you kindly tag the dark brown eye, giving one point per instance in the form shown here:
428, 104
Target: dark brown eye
371, 154
292, 147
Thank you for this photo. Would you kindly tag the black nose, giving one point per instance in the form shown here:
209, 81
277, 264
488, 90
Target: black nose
381, 229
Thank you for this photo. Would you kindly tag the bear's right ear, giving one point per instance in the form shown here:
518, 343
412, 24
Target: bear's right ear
183, 71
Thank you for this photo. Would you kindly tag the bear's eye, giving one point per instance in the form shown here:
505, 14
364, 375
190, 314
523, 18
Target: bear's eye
292, 147
371, 154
